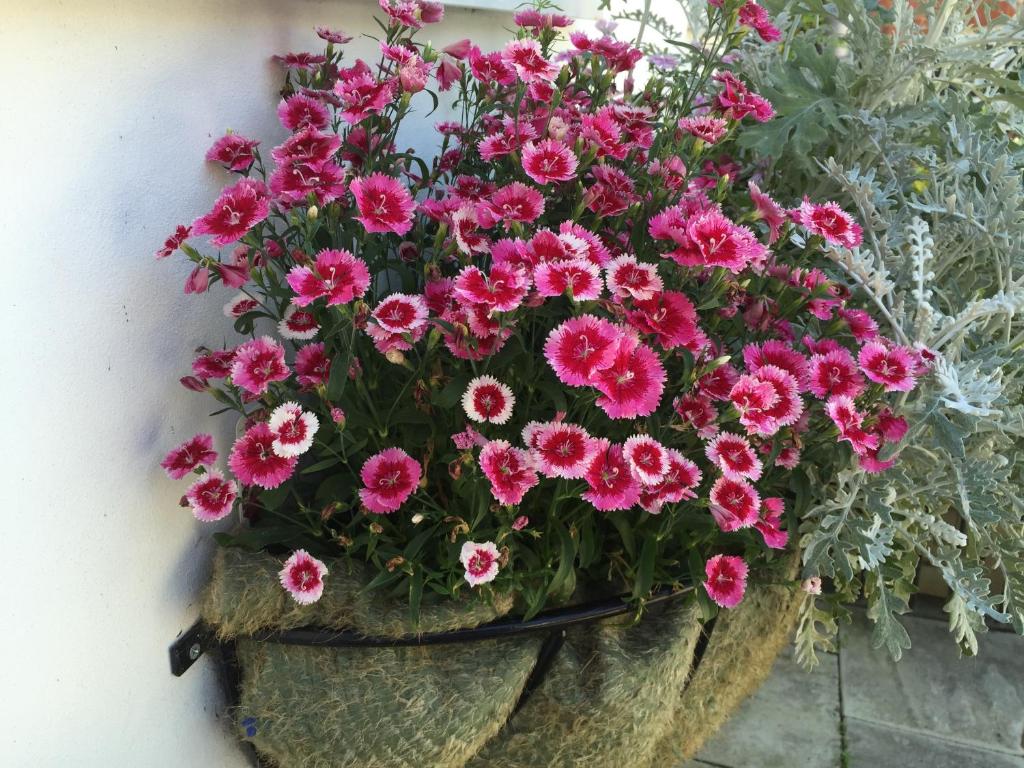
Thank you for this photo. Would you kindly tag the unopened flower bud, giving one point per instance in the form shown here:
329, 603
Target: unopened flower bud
812, 585
520, 522
376, 528
394, 563
338, 417
193, 383
418, 518
328, 512
312, 213
395, 356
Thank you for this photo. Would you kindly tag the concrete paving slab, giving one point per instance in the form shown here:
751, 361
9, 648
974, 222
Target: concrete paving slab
978, 702
791, 722
869, 745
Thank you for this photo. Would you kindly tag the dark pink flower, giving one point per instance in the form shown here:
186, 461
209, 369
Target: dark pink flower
389, 478
509, 469
300, 111
889, 365
513, 202
238, 209
384, 203
734, 456
669, 316
697, 411
257, 364
336, 274
536, 21
862, 325
312, 366
308, 146
335, 36
214, 365
211, 497
835, 373
766, 209
754, 16
174, 241
735, 504
303, 577
726, 579
234, 152
633, 383
198, 280
293, 182
611, 193
549, 160
362, 94
831, 222
525, 56
737, 101
491, 67
705, 127
459, 49
892, 428
413, 13
580, 347
195, 452
254, 461
769, 526
502, 290
611, 484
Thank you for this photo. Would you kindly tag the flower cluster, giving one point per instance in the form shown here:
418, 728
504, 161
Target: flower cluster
575, 311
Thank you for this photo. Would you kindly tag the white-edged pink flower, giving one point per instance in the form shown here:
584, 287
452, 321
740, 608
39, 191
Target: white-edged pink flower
303, 577
212, 496
239, 305
560, 449
194, 452
767, 400
647, 458
834, 373
509, 469
548, 161
580, 279
726, 579
298, 324
629, 278
258, 363
487, 399
735, 504
254, 460
389, 478
734, 456
480, 561
293, 428
706, 128
401, 313
580, 347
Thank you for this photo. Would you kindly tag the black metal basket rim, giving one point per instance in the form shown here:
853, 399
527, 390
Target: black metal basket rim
554, 619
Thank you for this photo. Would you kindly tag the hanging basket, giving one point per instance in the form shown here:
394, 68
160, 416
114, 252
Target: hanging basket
601, 693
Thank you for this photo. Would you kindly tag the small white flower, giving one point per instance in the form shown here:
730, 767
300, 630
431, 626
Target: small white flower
293, 429
487, 399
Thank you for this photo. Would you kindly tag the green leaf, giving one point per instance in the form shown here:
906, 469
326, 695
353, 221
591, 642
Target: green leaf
645, 567
339, 375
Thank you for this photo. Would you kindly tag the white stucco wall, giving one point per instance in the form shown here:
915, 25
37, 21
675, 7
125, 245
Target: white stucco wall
107, 109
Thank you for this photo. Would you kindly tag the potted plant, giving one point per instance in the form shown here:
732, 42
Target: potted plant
573, 354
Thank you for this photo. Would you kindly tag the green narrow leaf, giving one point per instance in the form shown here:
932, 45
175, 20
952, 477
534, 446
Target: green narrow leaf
645, 568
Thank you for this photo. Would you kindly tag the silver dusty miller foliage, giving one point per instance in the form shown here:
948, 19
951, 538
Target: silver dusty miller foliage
918, 133
916, 129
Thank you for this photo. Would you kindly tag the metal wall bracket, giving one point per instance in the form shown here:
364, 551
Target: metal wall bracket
189, 646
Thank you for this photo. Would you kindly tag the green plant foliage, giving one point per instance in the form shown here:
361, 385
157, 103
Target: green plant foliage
919, 133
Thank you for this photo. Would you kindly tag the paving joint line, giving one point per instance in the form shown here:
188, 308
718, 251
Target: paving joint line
975, 745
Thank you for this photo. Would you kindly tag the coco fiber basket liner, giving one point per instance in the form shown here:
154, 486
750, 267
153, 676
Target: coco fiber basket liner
617, 694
